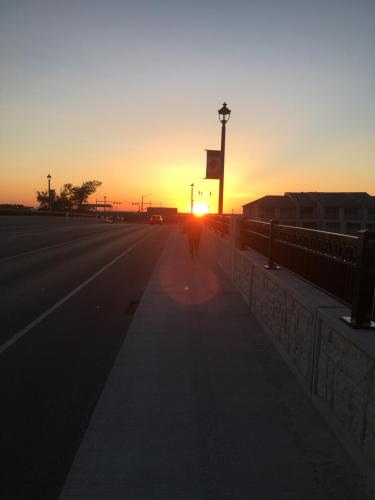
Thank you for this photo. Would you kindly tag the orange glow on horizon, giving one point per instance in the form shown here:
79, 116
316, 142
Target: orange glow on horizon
300, 123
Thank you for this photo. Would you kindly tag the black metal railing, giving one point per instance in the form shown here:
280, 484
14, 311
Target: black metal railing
339, 264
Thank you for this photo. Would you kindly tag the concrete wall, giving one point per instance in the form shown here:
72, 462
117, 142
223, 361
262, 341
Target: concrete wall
334, 363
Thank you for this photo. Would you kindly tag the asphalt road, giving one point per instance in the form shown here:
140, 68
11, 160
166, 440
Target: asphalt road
69, 288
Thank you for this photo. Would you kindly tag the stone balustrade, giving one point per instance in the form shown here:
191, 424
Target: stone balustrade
334, 363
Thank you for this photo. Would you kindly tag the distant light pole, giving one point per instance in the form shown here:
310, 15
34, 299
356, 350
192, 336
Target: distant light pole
144, 196
191, 197
49, 191
224, 114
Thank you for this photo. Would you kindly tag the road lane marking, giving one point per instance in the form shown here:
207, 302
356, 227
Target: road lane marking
55, 245
59, 303
31, 252
40, 230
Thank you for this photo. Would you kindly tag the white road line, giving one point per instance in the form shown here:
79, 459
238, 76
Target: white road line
31, 252
55, 245
40, 230
44, 315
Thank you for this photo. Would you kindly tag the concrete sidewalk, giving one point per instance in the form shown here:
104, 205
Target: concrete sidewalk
200, 406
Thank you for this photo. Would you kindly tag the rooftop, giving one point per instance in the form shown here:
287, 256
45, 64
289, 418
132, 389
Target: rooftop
311, 199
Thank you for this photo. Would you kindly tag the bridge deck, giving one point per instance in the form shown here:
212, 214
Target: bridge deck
200, 406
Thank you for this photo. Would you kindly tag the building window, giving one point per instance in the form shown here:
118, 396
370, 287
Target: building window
331, 212
306, 212
351, 212
250, 212
288, 213
267, 213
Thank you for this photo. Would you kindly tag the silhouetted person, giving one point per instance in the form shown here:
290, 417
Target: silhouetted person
193, 230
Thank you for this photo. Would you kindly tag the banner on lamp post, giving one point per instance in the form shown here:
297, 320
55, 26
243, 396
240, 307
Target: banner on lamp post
214, 166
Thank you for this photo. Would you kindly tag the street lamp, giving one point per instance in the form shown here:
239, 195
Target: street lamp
191, 197
224, 114
144, 196
49, 191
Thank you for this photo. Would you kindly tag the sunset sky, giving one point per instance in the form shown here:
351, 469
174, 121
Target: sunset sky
127, 92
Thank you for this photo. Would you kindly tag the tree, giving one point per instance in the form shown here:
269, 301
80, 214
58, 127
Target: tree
81, 193
70, 196
42, 198
63, 201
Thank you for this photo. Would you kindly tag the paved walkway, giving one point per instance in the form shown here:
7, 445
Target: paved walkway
200, 406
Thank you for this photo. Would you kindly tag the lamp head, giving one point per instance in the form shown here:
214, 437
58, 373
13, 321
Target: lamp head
224, 113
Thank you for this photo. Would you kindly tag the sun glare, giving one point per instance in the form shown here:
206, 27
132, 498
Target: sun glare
200, 208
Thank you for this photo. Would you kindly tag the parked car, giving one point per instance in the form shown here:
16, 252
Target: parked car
156, 219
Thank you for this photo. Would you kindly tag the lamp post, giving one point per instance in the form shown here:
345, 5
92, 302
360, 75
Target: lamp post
144, 196
191, 197
224, 114
49, 191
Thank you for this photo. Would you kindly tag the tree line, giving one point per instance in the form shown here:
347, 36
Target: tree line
70, 197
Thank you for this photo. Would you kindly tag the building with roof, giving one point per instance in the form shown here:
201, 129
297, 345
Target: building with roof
334, 212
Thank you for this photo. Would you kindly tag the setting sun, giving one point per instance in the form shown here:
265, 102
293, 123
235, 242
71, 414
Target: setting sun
200, 208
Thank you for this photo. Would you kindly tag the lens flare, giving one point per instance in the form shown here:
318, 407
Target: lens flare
188, 284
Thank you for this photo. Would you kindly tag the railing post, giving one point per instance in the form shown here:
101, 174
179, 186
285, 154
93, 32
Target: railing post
363, 283
271, 264
238, 233
215, 224
222, 225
